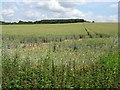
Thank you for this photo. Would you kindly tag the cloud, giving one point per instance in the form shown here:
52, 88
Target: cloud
114, 5
74, 13
100, 18
33, 15
60, 11
55, 6
74, 1
48, 9
8, 12
29, 1
1, 18
90, 16
70, 12
52, 5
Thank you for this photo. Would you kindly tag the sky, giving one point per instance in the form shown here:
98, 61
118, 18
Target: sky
32, 10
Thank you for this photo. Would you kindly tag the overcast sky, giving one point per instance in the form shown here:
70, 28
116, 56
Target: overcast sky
31, 10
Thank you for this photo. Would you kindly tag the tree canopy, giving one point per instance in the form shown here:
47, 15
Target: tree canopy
47, 21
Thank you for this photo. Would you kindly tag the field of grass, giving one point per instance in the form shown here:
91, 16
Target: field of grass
103, 28
43, 30
60, 56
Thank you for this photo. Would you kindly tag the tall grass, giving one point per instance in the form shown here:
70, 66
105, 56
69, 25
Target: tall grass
103, 74
65, 67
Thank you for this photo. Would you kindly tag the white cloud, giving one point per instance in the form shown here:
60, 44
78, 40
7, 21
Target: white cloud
56, 9
55, 6
114, 5
73, 13
112, 18
75, 1
33, 15
52, 5
65, 12
89, 1
69, 14
1, 18
90, 16
29, 1
8, 12
59, 10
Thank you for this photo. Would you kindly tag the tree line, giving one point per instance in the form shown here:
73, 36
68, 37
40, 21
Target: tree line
50, 21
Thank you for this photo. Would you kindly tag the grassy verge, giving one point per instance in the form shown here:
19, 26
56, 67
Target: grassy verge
102, 74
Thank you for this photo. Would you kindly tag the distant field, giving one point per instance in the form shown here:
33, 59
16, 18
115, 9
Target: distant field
43, 29
103, 28
59, 29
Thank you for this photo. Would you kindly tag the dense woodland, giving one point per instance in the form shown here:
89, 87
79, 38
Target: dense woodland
50, 21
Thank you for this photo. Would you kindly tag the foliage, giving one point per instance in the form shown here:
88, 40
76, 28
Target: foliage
49, 21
